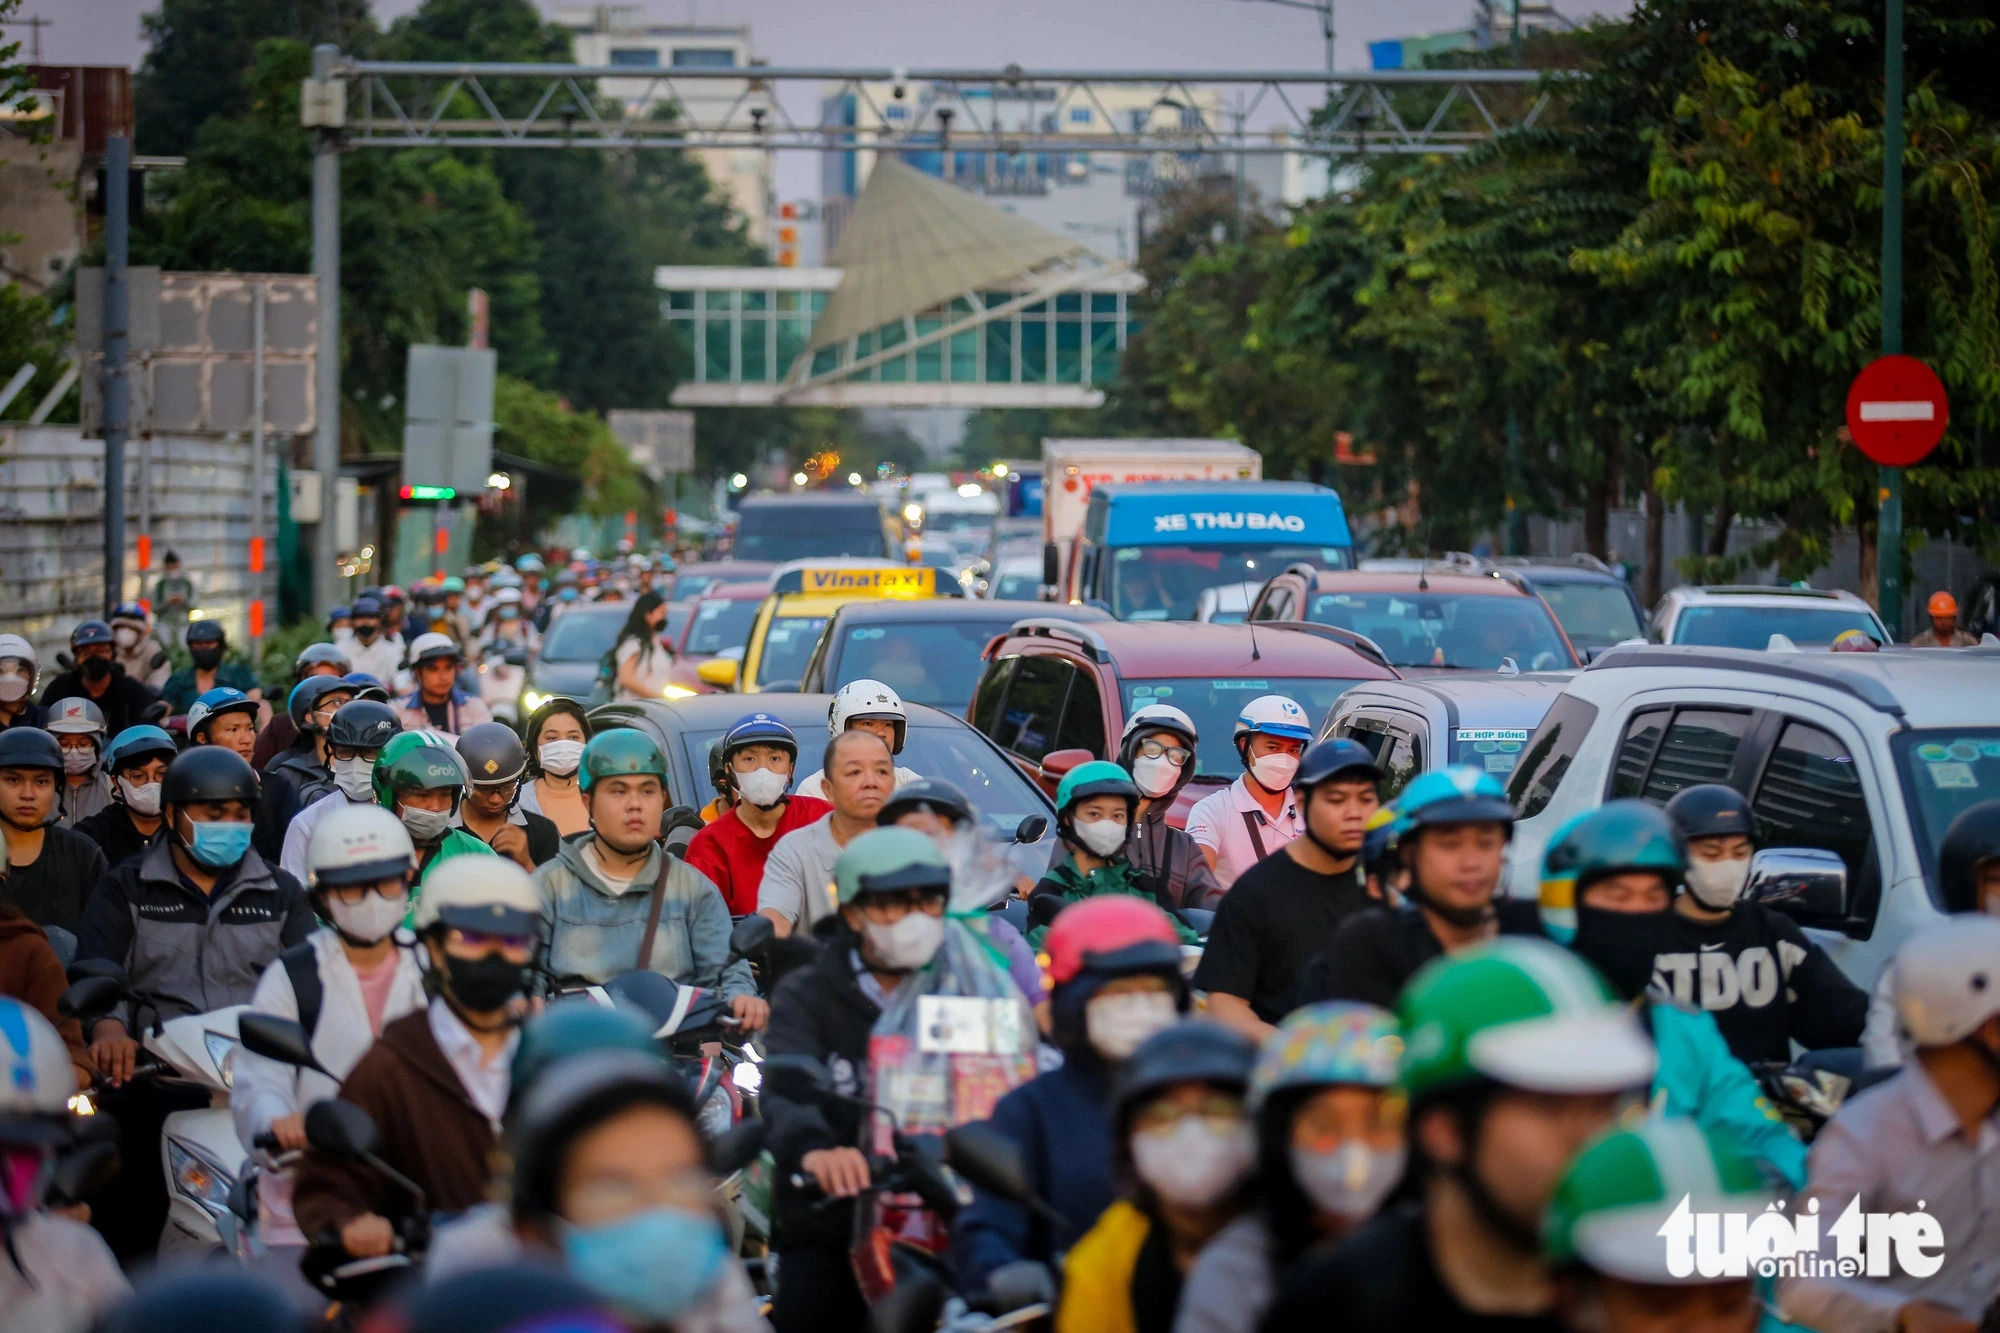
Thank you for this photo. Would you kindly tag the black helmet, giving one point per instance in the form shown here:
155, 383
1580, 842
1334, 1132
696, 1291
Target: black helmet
587, 1089
933, 794
90, 632
321, 654
307, 694
208, 773
364, 724
492, 753
206, 631
29, 747
1712, 810
527, 1293
1972, 838
1195, 1051
1326, 760
200, 1298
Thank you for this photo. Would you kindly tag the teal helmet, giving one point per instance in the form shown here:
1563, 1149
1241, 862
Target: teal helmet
1099, 777
572, 1027
1337, 1041
886, 860
1616, 837
1460, 794
620, 752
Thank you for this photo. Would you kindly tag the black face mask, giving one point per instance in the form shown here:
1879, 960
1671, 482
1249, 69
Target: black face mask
208, 659
367, 633
1622, 945
1465, 918
482, 985
94, 668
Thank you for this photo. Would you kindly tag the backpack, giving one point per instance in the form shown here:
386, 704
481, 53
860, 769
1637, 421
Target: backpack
302, 966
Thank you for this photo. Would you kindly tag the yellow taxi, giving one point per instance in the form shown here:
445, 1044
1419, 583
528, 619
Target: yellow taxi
789, 621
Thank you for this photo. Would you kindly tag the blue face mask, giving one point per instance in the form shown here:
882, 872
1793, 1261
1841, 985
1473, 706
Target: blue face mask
219, 844
622, 1261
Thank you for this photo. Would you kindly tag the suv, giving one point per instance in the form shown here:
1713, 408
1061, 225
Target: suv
1056, 692
1748, 616
1425, 619
1414, 726
1867, 756
1596, 607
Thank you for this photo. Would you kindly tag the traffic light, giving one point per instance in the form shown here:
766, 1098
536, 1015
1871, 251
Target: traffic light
788, 236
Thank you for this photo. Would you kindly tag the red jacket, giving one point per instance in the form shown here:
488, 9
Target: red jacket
733, 857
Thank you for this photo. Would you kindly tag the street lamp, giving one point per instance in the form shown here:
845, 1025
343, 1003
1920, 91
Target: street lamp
1323, 8
798, 479
738, 481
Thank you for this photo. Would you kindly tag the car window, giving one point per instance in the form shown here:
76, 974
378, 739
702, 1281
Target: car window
582, 636
1752, 626
1635, 752
935, 664
1497, 750
815, 531
1594, 615
1810, 796
1034, 706
1083, 718
720, 624
986, 707
1023, 586
1550, 752
1214, 704
1700, 746
1944, 772
1473, 631
1405, 753
788, 646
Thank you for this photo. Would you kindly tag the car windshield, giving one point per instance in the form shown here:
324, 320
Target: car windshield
687, 587
1944, 772
1753, 626
1594, 615
720, 624
810, 532
935, 664
1166, 582
1473, 631
788, 646
1216, 704
584, 635
1019, 586
943, 557
977, 525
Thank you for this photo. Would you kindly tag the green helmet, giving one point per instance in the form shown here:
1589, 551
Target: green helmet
571, 1027
618, 753
1099, 777
1519, 1012
418, 761
1616, 837
1609, 1210
887, 859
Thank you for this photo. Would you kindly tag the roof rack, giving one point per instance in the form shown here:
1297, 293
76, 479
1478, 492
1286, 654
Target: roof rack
1767, 590
1080, 634
1347, 638
1785, 666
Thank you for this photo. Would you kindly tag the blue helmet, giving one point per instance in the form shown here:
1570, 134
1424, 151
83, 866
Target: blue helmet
137, 744
1460, 794
213, 703
129, 611
759, 729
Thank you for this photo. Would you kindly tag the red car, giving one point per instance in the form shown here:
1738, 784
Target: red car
720, 620
1425, 621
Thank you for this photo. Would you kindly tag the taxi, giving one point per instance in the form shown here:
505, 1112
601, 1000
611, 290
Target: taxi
789, 621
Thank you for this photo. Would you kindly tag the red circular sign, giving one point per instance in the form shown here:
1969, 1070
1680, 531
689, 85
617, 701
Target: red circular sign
1896, 410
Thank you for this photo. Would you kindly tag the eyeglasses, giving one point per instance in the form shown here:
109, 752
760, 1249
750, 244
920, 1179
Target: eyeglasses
1218, 1108
1153, 749
896, 904
610, 1197
350, 752
474, 940
354, 893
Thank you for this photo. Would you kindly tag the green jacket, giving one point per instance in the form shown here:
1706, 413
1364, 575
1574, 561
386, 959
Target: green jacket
1699, 1078
456, 842
1073, 886
180, 692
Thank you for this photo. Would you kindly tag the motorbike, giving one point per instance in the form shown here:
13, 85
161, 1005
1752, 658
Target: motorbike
1807, 1091
503, 674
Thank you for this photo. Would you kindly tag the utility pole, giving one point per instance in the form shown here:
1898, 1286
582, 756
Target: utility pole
1889, 508
326, 367
117, 387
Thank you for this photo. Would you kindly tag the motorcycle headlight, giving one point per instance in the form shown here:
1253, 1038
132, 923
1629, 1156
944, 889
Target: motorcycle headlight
82, 1104
530, 700
677, 692
748, 1077
222, 1050
199, 1179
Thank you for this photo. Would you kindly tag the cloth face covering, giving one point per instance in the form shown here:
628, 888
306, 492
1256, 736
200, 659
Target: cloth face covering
1274, 771
908, 944
761, 787
1117, 1024
1194, 1164
560, 757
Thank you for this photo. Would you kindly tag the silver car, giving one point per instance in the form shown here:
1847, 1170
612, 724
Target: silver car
1413, 726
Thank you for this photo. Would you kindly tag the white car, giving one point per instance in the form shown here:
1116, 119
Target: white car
1475, 717
1748, 617
1226, 603
1868, 756
1015, 578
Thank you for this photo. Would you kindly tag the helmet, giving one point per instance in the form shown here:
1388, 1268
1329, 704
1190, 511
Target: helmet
566, 578
363, 724
506, 595
529, 564
1612, 1205
1460, 794
367, 686
29, 747
883, 860
1942, 604
1335, 1041
944, 799
339, 613
209, 773
393, 595
430, 647
36, 1080
758, 729
206, 631
1111, 935
1948, 979
93, 632
620, 752
484, 893
321, 654
1272, 715
1616, 837
1191, 1051
358, 844
373, 590
1332, 759
575, 1027
492, 753
129, 611
75, 716
13, 645
1973, 837
1856, 641
138, 744
453, 583
417, 761
1099, 777
593, 1087
1158, 717
308, 694
1711, 810
1520, 1012
213, 703
1378, 842
365, 606
867, 698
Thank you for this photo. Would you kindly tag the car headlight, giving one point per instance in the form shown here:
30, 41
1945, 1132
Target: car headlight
222, 1050
199, 1179
530, 700
677, 692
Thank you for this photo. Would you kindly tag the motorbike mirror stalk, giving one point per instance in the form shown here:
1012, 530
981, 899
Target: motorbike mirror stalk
751, 936
91, 998
345, 1130
279, 1039
992, 1162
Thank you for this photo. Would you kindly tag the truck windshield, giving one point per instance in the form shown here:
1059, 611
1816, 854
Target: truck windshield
1166, 582
810, 531
1214, 705
1945, 772
1475, 632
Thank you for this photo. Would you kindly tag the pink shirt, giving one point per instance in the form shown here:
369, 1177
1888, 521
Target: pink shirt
376, 983
1221, 822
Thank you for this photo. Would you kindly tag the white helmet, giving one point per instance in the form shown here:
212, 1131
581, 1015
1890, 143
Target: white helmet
1161, 717
430, 645
1273, 715
507, 595
1948, 979
75, 716
867, 698
13, 645
358, 844
490, 894
36, 1079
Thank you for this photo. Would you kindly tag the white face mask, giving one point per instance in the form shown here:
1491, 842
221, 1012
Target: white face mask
908, 944
13, 687
142, 798
79, 761
560, 757
1274, 771
1156, 777
1117, 1024
371, 919
1717, 884
125, 635
425, 826
762, 787
355, 778
1194, 1164
1102, 836
1349, 1182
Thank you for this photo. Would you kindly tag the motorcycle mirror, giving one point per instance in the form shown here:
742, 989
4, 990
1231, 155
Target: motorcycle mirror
339, 1127
914, 1305
92, 997
85, 1170
156, 711
516, 657
1020, 1284
159, 660
1031, 828
751, 936
98, 967
65, 661
799, 1077
736, 1148
989, 1159
274, 1038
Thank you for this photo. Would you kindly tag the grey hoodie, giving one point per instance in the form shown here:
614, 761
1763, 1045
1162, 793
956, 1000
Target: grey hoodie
594, 931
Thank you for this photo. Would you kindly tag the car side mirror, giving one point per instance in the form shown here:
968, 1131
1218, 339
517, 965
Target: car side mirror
719, 672
1056, 763
92, 997
1808, 884
1051, 565
281, 1039
751, 935
341, 1128
516, 657
1031, 828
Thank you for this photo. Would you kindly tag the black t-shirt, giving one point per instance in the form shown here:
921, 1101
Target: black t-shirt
112, 830
1376, 951
1764, 981
1382, 1279
53, 889
439, 714
1275, 917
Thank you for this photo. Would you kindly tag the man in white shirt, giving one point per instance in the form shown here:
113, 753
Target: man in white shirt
871, 706
796, 890
1257, 814
371, 649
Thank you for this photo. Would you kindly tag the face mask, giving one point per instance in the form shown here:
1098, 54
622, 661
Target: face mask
1717, 884
908, 944
355, 778
1156, 777
1102, 836
425, 826
484, 984
1274, 771
370, 920
1622, 945
1194, 1164
142, 798
762, 787
208, 659
78, 762
1117, 1024
621, 1261
220, 843
126, 637
13, 688
560, 757
1349, 1182
367, 633
95, 668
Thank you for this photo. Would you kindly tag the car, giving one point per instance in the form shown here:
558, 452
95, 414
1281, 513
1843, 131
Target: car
692, 580
573, 649
815, 525
943, 556
1749, 616
1867, 756
1414, 726
1015, 578
1226, 604
928, 650
718, 625
1425, 621
1055, 692
803, 597
1595, 607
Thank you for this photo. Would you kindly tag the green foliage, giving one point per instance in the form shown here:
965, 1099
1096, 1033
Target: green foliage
30, 332
281, 649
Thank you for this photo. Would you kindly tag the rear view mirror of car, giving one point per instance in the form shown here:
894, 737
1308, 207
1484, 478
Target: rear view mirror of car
1807, 884
719, 672
1056, 763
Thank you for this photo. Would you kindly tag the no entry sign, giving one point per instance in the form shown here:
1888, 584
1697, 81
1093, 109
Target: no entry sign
1896, 410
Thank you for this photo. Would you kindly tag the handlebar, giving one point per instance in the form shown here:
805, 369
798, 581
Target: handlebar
267, 1142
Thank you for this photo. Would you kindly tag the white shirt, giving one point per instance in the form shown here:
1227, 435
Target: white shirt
379, 659
59, 1277
653, 669
298, 833
485, 1080
814, 783
1217, 823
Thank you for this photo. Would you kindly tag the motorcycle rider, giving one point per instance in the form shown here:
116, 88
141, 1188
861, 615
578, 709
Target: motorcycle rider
301, 774
761, 755
1256, 814
1747, 964
491, 812
85, 789
142, 655
208, 645
437, 703
51, 870
17, 684
1158, 750
98, 678
554, 739
1283, 910
373, 649
1968, 881
227, 717
1095, 803
419, 778
281, 733
355, 735
436, 1081
343, 983
861, 777
137, 762
865, 705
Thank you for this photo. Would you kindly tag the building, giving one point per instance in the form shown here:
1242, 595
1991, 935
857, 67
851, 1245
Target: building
51, 153
1492, 25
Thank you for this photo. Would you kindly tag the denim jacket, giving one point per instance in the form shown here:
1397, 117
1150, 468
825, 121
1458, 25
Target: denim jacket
594, 932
